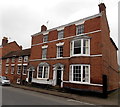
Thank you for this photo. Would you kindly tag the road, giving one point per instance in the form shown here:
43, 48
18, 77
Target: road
16, 96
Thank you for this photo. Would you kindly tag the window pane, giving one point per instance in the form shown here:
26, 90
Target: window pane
44, 52
80, 29
60, 51
60, 34
77, 73
45, 72
24, 69
77, 47
45, 38
85, 47
40, 70
19, 70
12, 70
85, 74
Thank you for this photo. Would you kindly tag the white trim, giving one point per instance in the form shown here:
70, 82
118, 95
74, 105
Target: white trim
60, 44
80, 22
45, 33
42, 72
25, 64
68, 37
19, 64
65, 57
12, 64
81, 54
7, 64
60, 28
81, 65
75, 22
45, 46
84, 83
55, 76
95, 55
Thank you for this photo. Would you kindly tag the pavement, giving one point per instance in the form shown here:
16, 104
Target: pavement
111, 100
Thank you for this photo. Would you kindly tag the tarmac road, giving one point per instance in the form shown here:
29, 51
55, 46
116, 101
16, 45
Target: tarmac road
16, 96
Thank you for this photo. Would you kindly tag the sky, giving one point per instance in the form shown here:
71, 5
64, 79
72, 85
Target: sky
19, 19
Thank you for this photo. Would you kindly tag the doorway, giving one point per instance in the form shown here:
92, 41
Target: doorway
30, 77
58, 80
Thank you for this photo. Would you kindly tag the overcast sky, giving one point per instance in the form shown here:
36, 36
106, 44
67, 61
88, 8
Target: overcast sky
19, 19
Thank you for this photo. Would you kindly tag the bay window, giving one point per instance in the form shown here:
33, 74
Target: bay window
80, 47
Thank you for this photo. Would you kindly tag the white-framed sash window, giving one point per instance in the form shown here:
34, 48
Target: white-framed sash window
79, 73
80, 47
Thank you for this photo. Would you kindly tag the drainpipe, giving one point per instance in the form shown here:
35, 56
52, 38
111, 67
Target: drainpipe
21, 74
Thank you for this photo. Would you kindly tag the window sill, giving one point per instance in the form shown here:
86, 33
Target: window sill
42, 78
80, 55
79, 82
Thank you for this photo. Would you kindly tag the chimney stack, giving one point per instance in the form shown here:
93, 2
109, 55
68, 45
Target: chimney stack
43, 28
102, 7
20, 47
4, 41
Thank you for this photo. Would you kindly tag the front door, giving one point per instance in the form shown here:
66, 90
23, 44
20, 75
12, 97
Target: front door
58, 77
30, 76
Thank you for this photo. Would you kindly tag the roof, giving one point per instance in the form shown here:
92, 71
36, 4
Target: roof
113, 43
75, 22
25, 52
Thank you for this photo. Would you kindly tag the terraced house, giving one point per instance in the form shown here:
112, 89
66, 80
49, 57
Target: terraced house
78, 55
14, 61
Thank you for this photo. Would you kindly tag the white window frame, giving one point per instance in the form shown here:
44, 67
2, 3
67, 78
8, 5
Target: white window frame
80, 29
44, 38
43, 49
12, 69
71, 73
42, 72
59, 34
20, 59
18, 69
25, 58
58, 52
72, 48
24, 69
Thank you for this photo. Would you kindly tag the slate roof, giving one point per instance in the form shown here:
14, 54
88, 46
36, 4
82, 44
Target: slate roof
25, 52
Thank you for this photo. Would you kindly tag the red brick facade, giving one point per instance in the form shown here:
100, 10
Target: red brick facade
78, 60
102, 58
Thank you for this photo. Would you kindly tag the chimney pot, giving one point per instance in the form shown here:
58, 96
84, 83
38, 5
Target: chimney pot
43, 28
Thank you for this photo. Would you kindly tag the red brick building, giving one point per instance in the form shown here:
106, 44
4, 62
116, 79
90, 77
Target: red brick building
14, 61
15, 65
75, 55
6, 48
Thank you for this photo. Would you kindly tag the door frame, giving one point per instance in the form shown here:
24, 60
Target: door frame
55, 68
31, 69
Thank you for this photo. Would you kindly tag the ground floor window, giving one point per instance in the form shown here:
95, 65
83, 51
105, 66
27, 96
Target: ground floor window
24, 70
43, 71
80, 73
